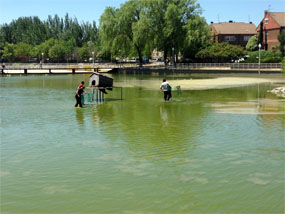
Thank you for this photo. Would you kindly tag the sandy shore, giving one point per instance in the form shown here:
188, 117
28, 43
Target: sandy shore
221, 82
204, 84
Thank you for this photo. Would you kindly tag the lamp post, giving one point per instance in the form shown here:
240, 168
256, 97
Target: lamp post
120, 58
173, 61
41, 62
93, 60
259, 46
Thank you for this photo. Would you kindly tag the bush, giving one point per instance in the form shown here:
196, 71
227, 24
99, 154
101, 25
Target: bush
250, 60
265, 57
252, 43
283, 65
220, 52
271, 60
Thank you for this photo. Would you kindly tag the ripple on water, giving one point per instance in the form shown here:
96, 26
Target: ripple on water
51, 190
193, 178
258, 107
4, 173
259, 178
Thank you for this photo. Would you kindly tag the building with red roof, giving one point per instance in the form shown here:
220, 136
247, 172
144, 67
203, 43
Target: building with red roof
273, 25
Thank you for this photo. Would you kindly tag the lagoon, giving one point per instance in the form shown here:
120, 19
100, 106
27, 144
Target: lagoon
209, 150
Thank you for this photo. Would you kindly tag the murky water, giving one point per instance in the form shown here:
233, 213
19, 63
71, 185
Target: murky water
207, 151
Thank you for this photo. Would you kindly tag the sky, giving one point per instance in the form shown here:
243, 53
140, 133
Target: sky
90, 10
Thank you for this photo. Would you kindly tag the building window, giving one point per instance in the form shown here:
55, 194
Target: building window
266, 21
230, 38
246, 38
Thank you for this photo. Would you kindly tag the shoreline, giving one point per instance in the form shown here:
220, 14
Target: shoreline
144, 70
219, 82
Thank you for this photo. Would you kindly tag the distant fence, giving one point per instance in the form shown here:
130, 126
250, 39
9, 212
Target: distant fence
184, 66
238, 66
69, 66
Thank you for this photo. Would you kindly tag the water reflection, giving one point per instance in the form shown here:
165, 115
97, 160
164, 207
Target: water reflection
79, 113
257, 100
196, 154
150, 126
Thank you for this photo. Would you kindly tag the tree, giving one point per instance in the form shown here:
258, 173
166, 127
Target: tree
145, 25
32, 30
22, 49
221, 52
56, 52
260, 36
169, 20
281, 39
197, 35
68, 48
8, 51
43, 48
124, 30
108, 32
83, 53
252, 43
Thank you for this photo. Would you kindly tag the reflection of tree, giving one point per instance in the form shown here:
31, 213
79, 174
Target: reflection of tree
79, 116
151, 126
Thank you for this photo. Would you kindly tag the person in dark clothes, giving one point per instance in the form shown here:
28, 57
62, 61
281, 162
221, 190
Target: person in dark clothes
166, 90
79, 92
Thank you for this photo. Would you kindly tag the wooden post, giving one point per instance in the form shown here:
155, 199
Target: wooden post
93, 94
73, 70
100, 95
49, 70
25, 71
97, 95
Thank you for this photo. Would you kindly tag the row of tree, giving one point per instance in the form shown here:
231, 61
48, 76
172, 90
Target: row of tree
140, 26
57, 39
135, 29
52, 50
33, 31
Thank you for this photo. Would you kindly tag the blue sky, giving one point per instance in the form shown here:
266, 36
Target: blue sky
89, 10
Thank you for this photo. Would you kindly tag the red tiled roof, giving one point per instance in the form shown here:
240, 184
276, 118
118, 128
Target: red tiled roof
279, 17
234, 28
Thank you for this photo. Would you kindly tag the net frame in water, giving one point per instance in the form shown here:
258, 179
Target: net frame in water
98, 94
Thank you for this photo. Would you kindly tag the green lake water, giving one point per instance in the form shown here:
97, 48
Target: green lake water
206, 151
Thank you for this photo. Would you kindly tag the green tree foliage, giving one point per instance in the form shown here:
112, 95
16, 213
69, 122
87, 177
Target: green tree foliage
171, 25
42, 35
221, 52
8, 51
265, 57
133, 30
281, 39
144, 25
56, 52
124, 30
252, 43
260, 36
83, 53
23, 50
197, 35
30, 30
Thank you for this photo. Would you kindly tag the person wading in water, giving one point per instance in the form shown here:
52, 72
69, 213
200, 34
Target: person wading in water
166, 89
78, 94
